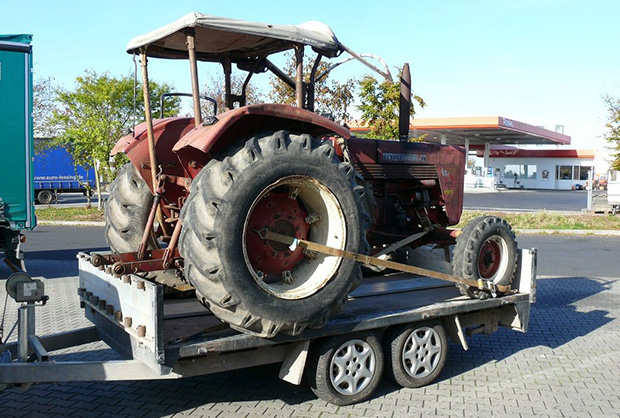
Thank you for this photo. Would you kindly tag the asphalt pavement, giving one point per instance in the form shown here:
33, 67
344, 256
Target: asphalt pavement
51, 250
567, 365
525, 200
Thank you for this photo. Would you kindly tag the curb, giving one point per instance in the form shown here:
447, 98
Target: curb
71, 223
567, 232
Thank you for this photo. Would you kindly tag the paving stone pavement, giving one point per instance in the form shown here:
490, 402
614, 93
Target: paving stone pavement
567, 365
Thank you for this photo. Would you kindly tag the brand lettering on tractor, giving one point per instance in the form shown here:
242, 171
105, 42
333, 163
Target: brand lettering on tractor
409, 158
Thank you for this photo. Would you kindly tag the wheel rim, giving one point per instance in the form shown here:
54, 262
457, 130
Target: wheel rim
302, 207
352, 367
422, 352
492, 258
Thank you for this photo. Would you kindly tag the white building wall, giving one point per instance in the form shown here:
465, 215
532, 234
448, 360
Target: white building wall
543, 166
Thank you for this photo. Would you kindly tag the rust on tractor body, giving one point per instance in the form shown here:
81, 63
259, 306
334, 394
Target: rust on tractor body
411, 188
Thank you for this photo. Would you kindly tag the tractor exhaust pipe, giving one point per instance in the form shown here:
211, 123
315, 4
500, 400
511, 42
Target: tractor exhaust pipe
404, 104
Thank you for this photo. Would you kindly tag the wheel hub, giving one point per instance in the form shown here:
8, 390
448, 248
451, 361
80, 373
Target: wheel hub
281, 214
489, 259
352, 367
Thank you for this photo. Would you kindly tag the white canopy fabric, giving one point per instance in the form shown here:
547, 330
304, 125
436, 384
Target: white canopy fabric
218, 37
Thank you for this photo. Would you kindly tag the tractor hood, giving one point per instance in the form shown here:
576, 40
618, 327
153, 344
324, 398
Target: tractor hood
217, 37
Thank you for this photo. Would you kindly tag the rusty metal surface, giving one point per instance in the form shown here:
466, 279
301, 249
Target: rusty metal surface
210, 139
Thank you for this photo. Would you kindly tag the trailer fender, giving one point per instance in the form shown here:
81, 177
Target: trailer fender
292, 369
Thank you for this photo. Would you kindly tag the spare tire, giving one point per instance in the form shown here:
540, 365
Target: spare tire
486, 249
291, 184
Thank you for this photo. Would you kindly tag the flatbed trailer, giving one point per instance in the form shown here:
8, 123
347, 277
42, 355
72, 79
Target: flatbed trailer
161, 338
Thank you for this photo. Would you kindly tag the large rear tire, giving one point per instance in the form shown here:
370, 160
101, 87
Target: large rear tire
291, 184
127, 211
487, 250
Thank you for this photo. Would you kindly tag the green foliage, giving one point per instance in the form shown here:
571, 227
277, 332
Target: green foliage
548, 220
44, 103
331, 97
92, 117
613, 126
380, 105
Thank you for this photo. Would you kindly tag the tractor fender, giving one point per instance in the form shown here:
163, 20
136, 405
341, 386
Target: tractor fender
247, 120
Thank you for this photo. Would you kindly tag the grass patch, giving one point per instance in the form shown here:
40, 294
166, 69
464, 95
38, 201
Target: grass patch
51, 213
532, 220
549, 220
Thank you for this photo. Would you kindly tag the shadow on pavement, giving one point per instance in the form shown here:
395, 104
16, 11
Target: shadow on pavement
50, 264
554, 321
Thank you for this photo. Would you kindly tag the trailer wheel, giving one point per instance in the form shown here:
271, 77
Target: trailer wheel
346, 369
486, 249
291, 184
417, 353
45, 197
127, 211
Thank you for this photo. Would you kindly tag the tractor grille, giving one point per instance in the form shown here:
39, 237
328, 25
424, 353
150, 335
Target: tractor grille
397, 171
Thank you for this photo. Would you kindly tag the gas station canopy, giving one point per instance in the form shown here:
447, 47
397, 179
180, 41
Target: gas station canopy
483, 130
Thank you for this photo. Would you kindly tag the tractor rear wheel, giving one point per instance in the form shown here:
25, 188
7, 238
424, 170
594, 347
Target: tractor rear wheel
487, 250
290, 184
127, 211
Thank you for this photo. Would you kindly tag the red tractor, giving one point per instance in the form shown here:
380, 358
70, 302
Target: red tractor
197, 203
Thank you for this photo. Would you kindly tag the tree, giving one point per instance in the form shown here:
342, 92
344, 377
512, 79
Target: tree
214, 88
96, 114
331, 97
44, 103
613, 126
380, 106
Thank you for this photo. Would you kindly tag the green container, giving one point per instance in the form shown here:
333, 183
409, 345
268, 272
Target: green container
16, 181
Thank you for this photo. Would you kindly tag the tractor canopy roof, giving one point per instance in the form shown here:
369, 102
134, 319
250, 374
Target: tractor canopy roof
218, 38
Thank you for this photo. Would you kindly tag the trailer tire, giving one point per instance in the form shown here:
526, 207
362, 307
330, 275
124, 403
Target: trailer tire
127, 211
417, 353
486, 249
45, 197
273, 180
346, 369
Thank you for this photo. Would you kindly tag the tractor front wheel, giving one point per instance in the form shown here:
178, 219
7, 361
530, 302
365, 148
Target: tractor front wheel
487, 250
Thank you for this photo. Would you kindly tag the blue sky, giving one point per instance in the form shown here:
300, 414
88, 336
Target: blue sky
543, 62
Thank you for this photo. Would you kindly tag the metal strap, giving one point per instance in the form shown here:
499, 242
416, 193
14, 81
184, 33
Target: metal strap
366, 259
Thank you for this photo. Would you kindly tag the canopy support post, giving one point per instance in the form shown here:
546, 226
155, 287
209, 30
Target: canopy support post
193, 67
299, 75
227, 83
148, 115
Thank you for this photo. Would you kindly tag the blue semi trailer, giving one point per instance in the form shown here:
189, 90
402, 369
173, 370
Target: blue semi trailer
56, 173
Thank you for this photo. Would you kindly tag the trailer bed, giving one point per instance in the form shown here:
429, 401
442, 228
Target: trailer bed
162, 338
